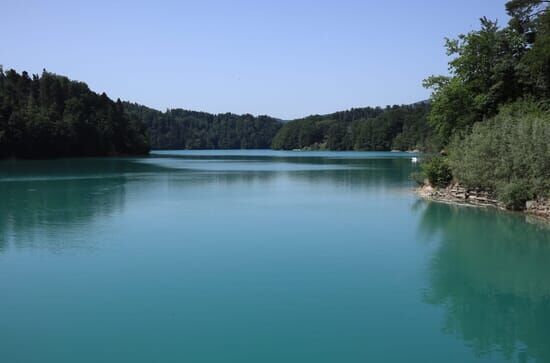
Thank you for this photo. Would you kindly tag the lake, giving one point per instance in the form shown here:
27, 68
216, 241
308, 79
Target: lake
261, 256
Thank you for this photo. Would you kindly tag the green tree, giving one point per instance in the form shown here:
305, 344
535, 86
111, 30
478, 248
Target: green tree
484, 75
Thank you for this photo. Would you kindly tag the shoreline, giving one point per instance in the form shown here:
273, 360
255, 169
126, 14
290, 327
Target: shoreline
457, 195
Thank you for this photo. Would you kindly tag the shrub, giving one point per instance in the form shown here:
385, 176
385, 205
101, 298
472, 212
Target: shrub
438, 172
418, 177
514, 195
508, 154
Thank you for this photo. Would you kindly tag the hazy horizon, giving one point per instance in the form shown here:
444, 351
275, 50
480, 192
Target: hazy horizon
284, 59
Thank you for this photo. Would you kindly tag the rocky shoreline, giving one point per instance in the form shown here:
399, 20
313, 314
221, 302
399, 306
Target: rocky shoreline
457, 194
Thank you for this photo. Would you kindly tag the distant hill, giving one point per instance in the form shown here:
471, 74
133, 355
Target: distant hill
183, 129
395, 127
369, 128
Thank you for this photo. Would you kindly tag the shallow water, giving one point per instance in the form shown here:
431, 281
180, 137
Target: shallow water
261, 256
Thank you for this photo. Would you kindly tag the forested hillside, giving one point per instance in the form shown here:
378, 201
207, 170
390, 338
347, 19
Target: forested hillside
182, 129
396, 127
52, 116
492, 114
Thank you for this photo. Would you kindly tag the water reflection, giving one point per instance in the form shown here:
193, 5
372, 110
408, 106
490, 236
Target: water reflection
353, 173
286, 159
44, 198
326, 241
490, 273
49, 206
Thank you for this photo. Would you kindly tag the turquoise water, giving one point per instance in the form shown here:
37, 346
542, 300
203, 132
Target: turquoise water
261, 256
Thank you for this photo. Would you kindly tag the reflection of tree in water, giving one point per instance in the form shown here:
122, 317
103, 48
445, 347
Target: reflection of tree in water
491, 273
354, 173
362, 174
359, 173
40, 196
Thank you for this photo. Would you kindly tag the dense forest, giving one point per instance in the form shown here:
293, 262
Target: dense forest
397, 127
492, 114
394, 127
52, 116
183, 129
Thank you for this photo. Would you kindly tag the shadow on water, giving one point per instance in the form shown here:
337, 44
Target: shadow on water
490, 273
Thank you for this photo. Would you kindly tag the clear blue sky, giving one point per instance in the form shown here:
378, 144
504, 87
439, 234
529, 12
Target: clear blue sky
285, 58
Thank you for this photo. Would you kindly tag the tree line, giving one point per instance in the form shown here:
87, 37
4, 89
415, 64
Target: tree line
399, 127
183, 129
380, 129
49, 115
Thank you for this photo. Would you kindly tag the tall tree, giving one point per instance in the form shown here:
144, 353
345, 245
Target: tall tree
485, 74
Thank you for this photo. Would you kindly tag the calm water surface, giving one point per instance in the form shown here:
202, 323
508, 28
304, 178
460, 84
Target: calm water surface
260, 256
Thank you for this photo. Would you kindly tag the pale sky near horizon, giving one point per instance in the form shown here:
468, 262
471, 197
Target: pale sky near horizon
283, 58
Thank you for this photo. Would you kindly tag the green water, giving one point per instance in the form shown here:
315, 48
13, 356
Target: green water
260, 256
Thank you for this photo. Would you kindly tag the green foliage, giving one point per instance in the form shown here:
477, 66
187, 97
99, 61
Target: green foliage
452, 107
298, 134
492, 112
395, 127
535, 65
436, 169
514, 194
485, 73
523, 15
419, 177
507, 151
52, 116
182, 129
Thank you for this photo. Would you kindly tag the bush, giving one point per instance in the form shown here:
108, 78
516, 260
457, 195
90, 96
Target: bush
438, 172
418, 177
514, 195
508, 154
